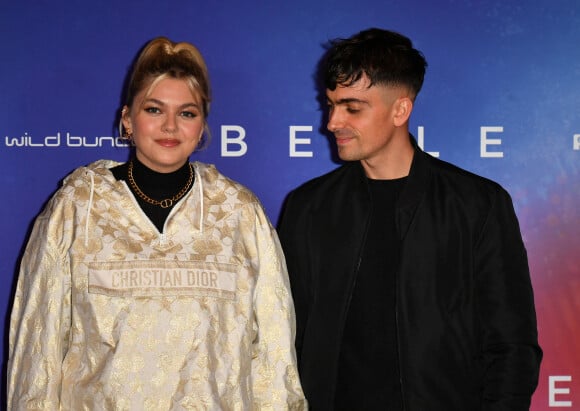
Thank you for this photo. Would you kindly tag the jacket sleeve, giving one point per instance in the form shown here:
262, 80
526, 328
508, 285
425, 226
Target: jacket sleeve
40, 321
275, 380
511, 353
293, 232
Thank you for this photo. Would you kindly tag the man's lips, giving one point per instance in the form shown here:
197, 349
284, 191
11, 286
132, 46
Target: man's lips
343, 136
343, 140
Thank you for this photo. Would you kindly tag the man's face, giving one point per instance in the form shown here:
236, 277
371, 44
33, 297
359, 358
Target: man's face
362, 119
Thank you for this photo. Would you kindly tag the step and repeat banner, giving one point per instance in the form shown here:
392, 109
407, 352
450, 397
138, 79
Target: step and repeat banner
501, 98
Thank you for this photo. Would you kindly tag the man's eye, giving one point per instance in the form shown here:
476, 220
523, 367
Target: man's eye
352, 110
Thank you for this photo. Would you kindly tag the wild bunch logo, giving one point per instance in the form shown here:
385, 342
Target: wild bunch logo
64, 140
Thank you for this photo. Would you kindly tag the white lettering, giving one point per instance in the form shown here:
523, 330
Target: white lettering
71, 141
16, 142
233, 142
421, 141
78, 142
239, 140
552, 390
115, 141
31, 144
295, 140
52, 141
487, 141
576, 142
98, 142
87, 144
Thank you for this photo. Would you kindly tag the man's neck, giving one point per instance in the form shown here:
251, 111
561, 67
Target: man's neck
394, 164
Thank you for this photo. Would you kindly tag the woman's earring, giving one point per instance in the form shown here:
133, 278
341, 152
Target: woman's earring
128, 137
123, 132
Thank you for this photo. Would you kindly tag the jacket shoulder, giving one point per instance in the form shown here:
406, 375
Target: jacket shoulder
462, 180
99, 169
328, 182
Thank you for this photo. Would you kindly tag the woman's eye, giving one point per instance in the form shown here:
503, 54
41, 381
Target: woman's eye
189, 114
152, 110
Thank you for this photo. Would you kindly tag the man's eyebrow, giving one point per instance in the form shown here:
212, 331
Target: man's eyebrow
347, 100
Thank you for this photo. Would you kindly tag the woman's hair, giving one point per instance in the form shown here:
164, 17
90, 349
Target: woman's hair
162, 58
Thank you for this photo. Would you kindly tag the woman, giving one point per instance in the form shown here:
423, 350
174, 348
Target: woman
158, 283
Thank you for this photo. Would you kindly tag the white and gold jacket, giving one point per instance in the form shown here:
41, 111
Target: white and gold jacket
110, 314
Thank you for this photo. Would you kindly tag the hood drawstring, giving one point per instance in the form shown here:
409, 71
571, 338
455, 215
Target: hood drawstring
89, 206
198, 178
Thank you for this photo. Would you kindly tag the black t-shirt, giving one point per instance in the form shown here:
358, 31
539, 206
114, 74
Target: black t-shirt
368, 373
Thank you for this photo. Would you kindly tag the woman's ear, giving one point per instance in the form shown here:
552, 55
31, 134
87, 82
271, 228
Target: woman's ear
126, 120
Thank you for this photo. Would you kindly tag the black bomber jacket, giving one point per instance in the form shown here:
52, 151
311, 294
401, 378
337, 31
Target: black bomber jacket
466, 322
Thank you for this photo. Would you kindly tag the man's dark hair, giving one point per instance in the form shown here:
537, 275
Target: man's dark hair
386, 57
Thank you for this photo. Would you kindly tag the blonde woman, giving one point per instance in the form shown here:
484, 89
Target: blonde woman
155, 284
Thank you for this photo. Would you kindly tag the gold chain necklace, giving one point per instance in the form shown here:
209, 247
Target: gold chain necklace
165, 203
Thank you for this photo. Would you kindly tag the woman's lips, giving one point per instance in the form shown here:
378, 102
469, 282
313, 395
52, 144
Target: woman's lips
168, 142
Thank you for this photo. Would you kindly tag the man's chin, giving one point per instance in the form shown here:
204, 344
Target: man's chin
345, 156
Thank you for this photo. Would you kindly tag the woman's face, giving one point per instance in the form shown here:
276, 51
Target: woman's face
166, 124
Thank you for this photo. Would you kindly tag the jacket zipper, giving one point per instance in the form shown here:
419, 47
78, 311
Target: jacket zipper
400, 369
356, 271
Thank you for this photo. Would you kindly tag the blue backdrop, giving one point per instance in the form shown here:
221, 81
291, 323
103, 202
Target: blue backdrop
501, 98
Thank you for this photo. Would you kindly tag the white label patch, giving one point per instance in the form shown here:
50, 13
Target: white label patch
163, 278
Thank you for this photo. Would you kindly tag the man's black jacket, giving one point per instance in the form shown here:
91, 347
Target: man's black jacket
466, 321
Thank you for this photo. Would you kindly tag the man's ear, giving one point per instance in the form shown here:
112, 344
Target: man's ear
402, 112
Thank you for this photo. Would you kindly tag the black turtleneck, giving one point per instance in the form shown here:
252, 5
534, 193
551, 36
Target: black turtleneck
157, 186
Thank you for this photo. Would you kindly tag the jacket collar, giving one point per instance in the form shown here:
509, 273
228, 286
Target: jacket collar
412, 193
414, 190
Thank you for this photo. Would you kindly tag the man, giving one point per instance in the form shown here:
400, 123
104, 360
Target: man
409, 275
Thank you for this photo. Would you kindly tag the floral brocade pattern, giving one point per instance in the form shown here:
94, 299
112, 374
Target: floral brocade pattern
109, 314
